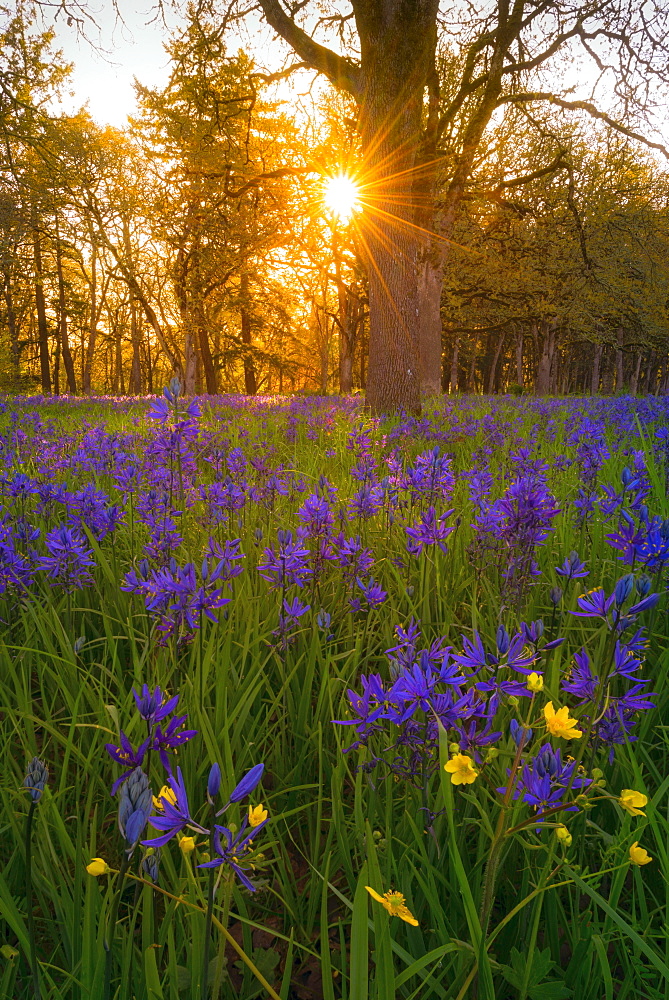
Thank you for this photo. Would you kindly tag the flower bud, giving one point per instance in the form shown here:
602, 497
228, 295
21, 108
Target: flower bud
563, 835
187, 845
556, 596
214, 781
535, 682
36, 778
624, 588
98, 866
247, 784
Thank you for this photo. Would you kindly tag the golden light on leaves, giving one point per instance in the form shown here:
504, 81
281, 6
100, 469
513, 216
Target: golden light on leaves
341, 196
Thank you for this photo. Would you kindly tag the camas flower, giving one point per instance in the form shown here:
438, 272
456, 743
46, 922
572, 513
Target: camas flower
572, 568
230, 850
127, 757
174, 816
559, 723
394, 903
151, 705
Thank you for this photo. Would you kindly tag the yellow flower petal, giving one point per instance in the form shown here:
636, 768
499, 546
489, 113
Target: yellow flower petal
393, 902
632, 801
559, 724
461, 769
257, 815
187, 845
535, 682
639, 855
98, 866
374, 894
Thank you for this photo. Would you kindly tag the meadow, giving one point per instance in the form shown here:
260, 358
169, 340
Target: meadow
320, 654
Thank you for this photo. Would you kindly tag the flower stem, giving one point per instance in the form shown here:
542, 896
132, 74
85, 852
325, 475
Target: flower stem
111, 927
34, 967
208, 920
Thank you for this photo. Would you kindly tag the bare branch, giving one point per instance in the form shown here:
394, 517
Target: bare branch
341, 72
590, 109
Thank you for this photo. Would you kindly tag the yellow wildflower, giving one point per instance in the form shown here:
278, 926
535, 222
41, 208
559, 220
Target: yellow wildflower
563, 835
461, 769
257, 815
559, 723
98, 866
633, 801
166, 793
638, 855
187, 844
393, 902
535, 682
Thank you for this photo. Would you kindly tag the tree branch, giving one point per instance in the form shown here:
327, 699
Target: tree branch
590, 109
341, 72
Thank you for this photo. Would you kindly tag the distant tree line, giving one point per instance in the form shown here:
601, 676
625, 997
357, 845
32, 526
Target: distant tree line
196, 241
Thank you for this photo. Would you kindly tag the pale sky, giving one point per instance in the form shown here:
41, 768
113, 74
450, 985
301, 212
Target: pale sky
106, 62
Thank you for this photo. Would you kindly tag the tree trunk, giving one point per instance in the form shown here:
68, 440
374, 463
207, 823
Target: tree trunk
348, 321
430, 281
12, 327
634, 384
453, 382
519, 358
135, 380
596, 367
620, 337
608, 373
40, 305
493, 368
93, 323
397, 59
63, 335
250, 382
471, 387
542, 385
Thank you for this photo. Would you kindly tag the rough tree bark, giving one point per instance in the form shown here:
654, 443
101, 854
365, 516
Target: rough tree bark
542, 385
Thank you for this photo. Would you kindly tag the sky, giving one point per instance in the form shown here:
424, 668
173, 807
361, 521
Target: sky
109, 57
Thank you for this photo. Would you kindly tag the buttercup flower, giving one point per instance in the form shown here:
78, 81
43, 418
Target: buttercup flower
98, 866
563, 835
393, 902
257, 815
187, 845
632, 802
559, 723
461, 769
639, 855
535, 682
